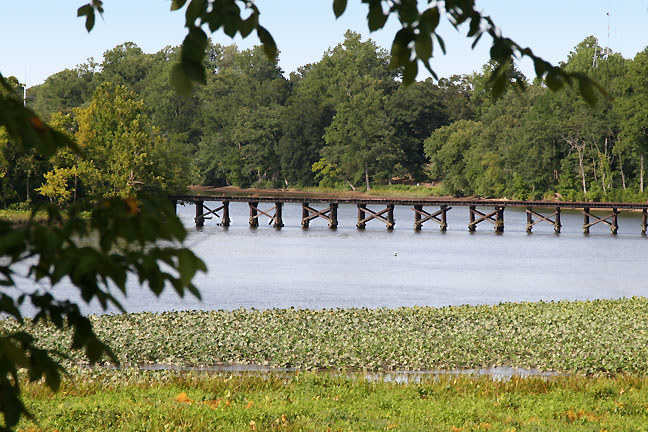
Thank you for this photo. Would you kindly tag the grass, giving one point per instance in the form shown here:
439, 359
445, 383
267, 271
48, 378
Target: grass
162, 401
588, 337
15, 216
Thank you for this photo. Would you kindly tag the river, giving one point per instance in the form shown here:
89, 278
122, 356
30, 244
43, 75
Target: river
320, 268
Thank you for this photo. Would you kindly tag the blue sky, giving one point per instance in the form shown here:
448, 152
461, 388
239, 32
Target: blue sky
41, 37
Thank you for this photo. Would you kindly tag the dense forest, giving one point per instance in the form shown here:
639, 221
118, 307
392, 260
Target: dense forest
343, 122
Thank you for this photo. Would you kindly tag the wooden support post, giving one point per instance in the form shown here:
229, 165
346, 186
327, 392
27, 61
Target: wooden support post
305, 220
361, 215
390, 217
254, 221
499, 221
200, 221
557, 225
333, 220
226, 218
644, 221
444, 218
586, 220
529, 220
615, 223
417, 217
278, 218
472, 226
174, 203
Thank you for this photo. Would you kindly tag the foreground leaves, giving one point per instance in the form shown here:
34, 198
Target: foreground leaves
95, 254
603, 336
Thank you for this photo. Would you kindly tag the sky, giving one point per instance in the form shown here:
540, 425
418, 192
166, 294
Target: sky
42, 37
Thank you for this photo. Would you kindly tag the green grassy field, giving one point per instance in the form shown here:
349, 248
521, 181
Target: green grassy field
163, 401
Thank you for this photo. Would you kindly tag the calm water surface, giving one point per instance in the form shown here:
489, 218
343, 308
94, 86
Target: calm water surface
319, 268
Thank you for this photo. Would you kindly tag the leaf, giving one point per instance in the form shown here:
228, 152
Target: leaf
269, 45
553, 81
540, 67
409, 72
89, 12
423, 46
400, 51
408, 11
429, 20
475, 25
441, 43
588, 91
339, 6
476, 41
376, 18
500, 51
177, 4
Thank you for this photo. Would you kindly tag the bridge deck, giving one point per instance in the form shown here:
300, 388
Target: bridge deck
414, 201
385, 211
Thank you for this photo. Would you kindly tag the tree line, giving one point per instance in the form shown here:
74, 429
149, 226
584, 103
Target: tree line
345, 122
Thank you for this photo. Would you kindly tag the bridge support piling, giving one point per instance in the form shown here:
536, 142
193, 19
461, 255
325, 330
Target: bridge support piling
362, 223
499, 222
226, 217
199, 219
390, 217
333, 219
472, 226
305, 220
644, 221
363, 211
174, 203
278, 217
542, 218
418, 210
495, 217
421, 216
586, 220
614, 228
444, 217
254, 218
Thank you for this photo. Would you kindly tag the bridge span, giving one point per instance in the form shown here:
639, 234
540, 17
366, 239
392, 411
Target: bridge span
432, 210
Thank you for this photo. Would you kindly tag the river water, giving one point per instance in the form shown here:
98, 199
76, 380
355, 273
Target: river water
320, 268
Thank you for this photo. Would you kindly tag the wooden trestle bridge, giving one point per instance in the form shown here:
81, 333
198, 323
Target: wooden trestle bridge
380, 209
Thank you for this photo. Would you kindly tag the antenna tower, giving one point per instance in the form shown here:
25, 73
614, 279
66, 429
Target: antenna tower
607, 48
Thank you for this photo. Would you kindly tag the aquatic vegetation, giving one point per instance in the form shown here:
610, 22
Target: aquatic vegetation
591, 337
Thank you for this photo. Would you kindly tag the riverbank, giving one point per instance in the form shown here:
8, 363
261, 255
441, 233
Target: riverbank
393, 191
158, 401
601, 337
396, 191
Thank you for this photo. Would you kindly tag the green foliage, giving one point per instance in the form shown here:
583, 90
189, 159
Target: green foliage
56, 185
326, 173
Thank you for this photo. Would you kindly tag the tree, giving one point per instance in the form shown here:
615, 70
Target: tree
64, 90
414, 113
240, 118
357, 140
119, 144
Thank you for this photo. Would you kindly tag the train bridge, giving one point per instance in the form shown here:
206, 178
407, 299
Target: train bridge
432, 210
